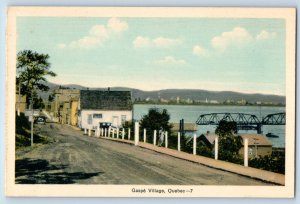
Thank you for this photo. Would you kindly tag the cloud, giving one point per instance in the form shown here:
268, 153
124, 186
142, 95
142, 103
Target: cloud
117, 25
159, 42
170, 60
140, 42
238, 37
265, 35
165, 42
87, 42
61, 45
99, 31
97, 35
200, 51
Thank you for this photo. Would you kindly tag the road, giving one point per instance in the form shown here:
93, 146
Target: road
75, 158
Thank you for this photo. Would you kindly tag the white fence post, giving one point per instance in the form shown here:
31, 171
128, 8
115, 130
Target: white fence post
118, 133
246, 152
113, 133
166, 140
89, 132
154, 138
123, 134
178, 141
105, 132
216, 148
145, 135
194, 145
108, 133
129, 133
85, 131
136, 133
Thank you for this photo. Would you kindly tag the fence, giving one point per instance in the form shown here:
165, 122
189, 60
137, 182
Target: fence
159, 138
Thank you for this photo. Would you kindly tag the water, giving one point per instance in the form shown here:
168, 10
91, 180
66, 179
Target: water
191, 113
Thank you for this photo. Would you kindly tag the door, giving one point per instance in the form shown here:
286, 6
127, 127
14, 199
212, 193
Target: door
115, 121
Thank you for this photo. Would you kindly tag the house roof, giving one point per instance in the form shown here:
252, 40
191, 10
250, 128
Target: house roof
256, 139
105, 100
211, 138
253, 139
190, 127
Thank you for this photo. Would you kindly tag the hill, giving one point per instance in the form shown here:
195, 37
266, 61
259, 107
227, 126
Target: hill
182, 94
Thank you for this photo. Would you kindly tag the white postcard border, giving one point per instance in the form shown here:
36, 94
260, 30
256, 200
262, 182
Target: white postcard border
13, 189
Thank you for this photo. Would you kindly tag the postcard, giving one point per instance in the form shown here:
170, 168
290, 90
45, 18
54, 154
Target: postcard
150, 102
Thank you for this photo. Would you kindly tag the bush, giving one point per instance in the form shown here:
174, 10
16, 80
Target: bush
229, 144
23, 136
203, 150
22, 123
155, 120
275, 162
129, 124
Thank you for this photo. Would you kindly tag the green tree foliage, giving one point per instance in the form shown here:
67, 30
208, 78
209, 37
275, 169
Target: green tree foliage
155, 120
32, 69
126, 126
51, 97
229, 142
274, 162
38, 103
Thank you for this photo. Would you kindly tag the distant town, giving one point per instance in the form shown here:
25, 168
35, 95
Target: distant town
182, 96
188, 101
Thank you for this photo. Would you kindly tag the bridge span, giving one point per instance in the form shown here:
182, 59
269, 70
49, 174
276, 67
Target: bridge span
244, 121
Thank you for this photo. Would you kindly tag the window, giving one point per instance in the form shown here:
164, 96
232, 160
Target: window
90, 119
98, 115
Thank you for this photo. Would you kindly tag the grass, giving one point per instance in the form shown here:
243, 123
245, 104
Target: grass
23, 135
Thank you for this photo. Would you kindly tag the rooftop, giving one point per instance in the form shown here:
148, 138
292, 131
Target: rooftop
190, 127
253, 139
105, 100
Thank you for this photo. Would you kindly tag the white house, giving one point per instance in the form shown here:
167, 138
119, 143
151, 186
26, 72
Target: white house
104, 106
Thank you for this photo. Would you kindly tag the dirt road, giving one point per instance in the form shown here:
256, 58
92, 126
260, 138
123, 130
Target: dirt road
75, 158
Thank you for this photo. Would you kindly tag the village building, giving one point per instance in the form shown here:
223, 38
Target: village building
258, 145
20, 104
188, 127
96, 106
62, 104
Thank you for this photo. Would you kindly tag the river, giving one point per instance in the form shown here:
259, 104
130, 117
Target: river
191, 113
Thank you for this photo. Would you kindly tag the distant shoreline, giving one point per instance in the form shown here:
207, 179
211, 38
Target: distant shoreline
209, 104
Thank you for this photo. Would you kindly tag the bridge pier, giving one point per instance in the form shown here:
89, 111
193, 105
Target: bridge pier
259, 128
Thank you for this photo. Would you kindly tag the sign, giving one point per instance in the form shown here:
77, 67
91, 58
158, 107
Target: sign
30, 118
30, 113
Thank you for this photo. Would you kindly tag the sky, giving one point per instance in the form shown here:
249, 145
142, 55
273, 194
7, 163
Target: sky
243, 55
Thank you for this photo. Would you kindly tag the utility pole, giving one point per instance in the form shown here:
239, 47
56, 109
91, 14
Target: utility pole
19, 98
31, 105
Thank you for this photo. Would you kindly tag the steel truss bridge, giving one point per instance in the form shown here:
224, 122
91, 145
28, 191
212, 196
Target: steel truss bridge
244, 121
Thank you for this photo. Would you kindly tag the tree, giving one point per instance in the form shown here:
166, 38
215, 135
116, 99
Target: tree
229, 142
32, 69
51, 97
155, 120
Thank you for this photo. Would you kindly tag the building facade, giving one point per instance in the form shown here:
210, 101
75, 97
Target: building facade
20, 103
63, 105
96, 106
